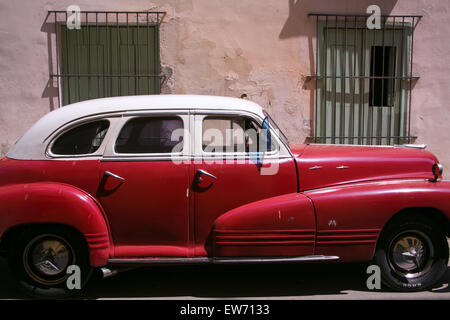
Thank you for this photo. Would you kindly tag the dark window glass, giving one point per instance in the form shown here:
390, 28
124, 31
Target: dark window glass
84, 139
151, 135
382, 69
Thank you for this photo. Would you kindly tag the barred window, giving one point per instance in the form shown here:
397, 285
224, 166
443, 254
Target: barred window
363, 80
112, 54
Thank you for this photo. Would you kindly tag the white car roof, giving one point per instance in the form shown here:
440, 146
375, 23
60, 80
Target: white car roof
31, 145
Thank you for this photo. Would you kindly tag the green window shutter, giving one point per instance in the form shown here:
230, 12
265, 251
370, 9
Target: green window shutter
106, 61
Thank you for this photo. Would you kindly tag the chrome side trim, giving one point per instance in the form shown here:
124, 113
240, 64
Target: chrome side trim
310, 258
150, 261
416, 146
230, 260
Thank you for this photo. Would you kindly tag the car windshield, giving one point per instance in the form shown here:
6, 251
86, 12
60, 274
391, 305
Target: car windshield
277, 128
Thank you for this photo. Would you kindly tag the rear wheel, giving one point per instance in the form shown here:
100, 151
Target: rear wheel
412, 254
40, 257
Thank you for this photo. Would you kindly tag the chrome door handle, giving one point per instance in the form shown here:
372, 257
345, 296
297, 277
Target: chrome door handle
110, 174
200, 172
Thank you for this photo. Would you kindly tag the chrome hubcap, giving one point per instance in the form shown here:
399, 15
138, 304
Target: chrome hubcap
50, 257
46, 258
411, 254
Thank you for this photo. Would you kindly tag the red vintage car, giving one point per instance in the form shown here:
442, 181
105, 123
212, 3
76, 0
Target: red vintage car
183, 179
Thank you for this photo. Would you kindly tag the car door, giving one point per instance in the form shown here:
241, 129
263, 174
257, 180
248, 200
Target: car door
230, 172
145, 180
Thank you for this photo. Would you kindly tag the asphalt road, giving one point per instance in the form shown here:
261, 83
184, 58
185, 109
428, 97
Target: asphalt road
311, 281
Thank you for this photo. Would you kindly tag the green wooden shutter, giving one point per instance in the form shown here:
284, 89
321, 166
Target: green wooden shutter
105, 61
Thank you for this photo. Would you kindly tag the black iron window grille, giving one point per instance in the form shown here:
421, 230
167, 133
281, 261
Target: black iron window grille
364, 79
111, 54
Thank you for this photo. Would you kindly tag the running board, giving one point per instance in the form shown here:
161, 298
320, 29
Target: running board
311, 258
155, 261
226, 260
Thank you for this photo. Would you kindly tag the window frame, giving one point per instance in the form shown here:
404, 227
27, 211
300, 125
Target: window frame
232, 120
74, 124
192, 149
110, 153
199, 154
400, 128
94, 20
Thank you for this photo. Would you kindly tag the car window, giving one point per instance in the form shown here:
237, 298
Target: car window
84, 139
230, 134
151, 135
276, 127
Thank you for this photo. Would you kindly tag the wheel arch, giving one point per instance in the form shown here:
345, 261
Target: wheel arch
17, 230
370, 207
36, 204
425, 223
431, 213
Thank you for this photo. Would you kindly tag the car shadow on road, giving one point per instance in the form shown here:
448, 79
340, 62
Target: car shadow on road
218, 281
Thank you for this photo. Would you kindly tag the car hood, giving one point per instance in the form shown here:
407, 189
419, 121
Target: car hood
326, 165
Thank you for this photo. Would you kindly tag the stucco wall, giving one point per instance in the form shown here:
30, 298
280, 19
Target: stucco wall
262, 48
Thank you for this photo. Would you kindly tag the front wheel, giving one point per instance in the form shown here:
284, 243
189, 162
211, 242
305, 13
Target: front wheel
40, 258
412, 254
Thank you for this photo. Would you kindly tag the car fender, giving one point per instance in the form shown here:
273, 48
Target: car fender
351, 217
57, 203
278, 226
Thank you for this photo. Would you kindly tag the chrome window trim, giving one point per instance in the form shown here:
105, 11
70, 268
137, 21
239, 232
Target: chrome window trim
110, 153
181, 158
117, 120
199, 115
71, 125
74, 122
